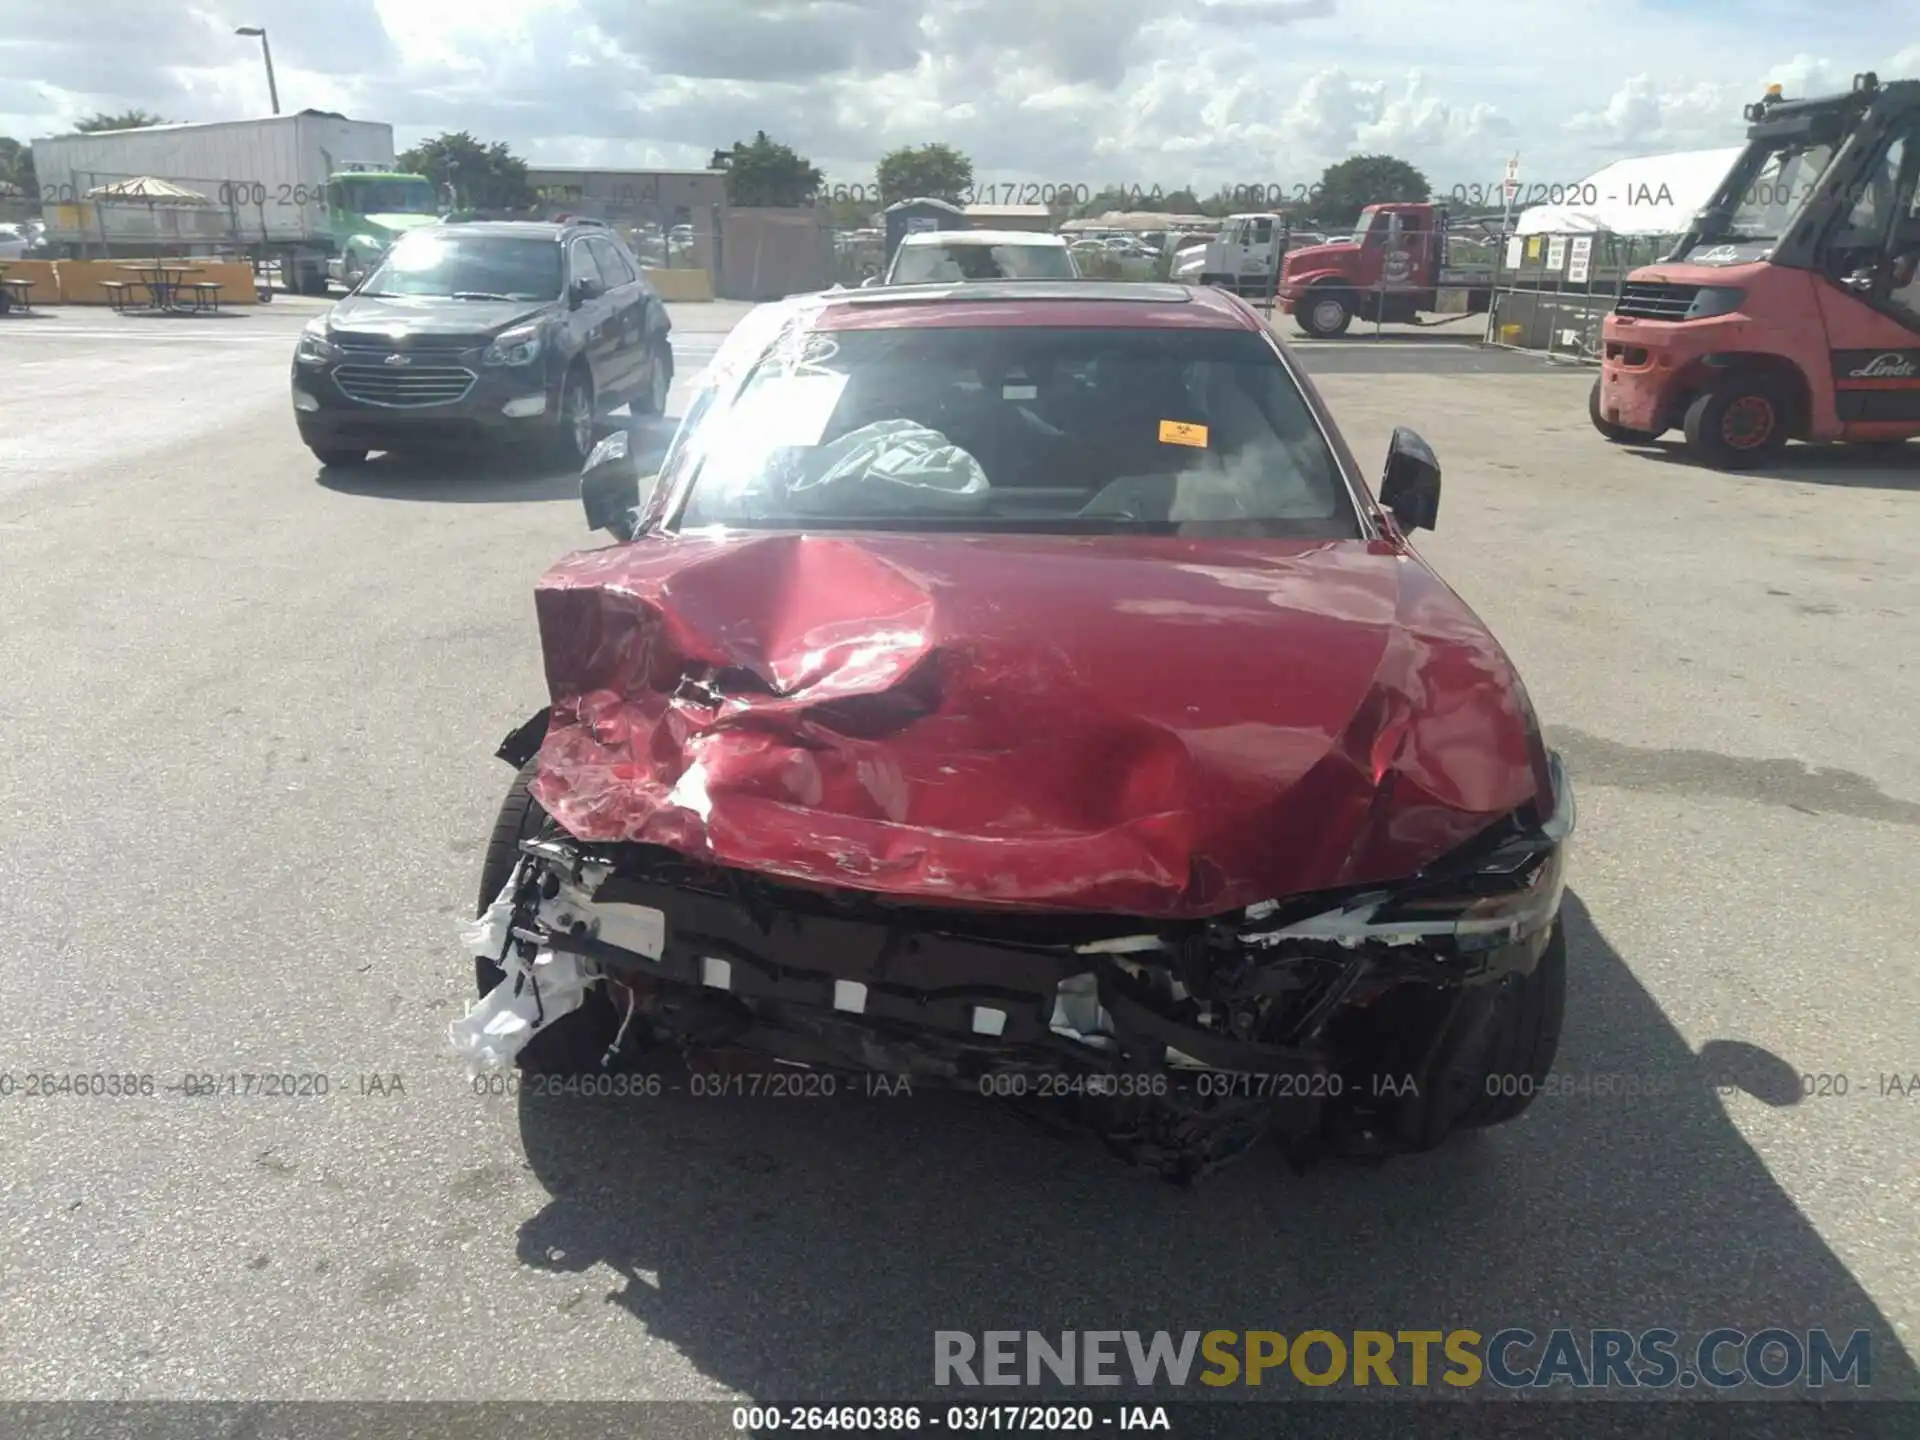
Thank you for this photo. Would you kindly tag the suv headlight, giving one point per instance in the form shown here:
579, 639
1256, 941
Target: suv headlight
315, 348
1715, 300
515, 347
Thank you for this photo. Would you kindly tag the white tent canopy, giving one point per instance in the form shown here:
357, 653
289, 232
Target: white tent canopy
1651, 195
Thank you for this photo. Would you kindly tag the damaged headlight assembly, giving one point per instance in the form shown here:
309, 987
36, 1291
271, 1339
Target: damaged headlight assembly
1495, 895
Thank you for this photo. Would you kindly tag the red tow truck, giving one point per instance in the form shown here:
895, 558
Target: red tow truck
1403, 261
1790, 308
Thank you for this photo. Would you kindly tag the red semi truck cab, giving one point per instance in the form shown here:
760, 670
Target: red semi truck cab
1392, 269
1790, 308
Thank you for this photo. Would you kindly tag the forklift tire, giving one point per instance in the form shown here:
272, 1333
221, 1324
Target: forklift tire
1615, 434
1739, 423
1325, 314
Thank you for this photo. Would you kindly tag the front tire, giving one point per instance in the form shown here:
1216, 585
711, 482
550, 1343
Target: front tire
1738, 424
572, 440
1612, 433
1325, 314
575, 1043
1526, 1042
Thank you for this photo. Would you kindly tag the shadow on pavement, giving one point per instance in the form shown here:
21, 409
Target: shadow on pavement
481, 476
1856, 467
136, 315
808, 1248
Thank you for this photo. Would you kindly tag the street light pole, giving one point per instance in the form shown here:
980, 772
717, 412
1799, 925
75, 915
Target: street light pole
266, 51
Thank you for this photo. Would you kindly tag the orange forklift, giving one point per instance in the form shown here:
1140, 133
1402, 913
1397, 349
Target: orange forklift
1790, 309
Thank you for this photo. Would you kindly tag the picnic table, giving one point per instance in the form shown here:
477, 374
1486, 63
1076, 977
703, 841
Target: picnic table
163, 279
14, 292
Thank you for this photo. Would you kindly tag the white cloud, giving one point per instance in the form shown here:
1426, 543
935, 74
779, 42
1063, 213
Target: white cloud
1167, 92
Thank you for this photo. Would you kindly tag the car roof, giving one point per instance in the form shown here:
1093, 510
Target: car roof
1065, 304
982, 237
520, 229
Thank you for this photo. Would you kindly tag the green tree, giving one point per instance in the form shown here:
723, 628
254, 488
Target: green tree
128, 120
16, 167
934, 172
768, 174
484, 177
1350, 185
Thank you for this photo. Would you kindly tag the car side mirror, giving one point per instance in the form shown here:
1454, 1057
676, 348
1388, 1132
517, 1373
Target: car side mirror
1410, 488
581, 292
610, 487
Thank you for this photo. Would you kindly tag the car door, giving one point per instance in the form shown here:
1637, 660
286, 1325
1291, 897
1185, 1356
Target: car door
592, 324
1869, 290
628, 356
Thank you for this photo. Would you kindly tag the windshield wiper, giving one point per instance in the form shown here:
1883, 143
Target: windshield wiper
481, 295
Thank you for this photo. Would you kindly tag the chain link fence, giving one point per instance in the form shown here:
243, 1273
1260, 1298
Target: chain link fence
1555, 291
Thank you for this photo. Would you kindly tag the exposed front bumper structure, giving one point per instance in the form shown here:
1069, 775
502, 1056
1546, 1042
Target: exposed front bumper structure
1356, 1022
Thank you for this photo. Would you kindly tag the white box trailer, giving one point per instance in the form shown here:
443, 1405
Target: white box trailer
266, 180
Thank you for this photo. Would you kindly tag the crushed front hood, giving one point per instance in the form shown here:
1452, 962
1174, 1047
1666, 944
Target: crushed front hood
1152, 726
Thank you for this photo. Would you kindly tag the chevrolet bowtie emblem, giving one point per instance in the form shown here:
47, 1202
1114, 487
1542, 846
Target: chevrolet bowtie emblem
398, 360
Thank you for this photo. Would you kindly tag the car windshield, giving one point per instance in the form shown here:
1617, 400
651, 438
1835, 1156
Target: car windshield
439, 264
391, 197
1078, 431
957, 261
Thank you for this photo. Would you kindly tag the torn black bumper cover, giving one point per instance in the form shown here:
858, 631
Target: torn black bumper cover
1352, 1022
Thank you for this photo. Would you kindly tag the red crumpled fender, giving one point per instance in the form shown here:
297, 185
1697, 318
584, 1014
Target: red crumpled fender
1139, 725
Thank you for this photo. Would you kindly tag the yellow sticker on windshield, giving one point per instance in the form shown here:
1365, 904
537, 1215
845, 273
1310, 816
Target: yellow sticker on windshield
1178, 432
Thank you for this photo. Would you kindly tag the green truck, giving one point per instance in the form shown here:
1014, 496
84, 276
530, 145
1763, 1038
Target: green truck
367, 210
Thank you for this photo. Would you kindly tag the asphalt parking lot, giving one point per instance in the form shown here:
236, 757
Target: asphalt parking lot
249, 718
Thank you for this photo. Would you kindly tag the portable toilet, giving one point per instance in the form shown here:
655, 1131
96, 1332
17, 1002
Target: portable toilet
904, 217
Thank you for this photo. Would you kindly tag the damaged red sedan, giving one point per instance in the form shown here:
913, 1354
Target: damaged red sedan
1018, 687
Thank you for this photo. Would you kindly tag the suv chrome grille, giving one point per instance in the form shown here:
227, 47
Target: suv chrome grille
403, 386
1645, 300
376, 348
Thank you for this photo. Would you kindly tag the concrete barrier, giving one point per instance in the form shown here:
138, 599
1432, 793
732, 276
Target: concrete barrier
80, 280
681, 284
45, 278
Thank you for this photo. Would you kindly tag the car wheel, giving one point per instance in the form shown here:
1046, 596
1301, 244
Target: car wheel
338, 455
1325, 314
1521, 1054
659, 382
573, 435
1738, 424
576, 1042
1616, 434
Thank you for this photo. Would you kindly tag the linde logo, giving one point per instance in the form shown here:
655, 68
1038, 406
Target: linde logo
1891, 366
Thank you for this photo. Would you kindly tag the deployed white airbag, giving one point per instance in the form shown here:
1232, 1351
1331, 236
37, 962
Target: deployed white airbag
889, 467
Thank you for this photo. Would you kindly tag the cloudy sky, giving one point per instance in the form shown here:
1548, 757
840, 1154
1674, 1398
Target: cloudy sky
1166, 92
